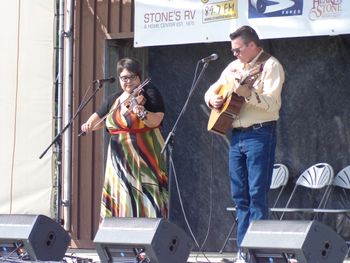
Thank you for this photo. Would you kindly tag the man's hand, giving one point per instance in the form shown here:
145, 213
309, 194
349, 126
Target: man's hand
243, 90
216, 101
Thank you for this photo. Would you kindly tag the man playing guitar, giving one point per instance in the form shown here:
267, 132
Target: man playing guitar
256, 79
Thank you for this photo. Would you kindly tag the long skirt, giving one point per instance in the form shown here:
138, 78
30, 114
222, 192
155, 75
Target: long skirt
136, 181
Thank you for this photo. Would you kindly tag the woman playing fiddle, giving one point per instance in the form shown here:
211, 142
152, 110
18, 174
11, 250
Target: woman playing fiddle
136, 181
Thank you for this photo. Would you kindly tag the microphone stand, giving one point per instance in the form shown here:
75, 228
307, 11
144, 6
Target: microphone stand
58, 141
169, 142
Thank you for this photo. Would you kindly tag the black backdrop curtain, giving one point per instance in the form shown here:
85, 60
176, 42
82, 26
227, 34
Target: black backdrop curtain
314, 125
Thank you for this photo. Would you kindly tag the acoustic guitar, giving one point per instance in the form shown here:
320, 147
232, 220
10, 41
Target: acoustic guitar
220, 120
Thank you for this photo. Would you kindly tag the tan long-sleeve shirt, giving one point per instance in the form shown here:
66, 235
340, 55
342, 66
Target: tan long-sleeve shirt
265, 102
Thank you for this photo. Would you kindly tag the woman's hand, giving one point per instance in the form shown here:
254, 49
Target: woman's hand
86, 127
141, 112
93, 123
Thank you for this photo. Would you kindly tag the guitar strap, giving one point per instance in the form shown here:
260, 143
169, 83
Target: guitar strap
263, 58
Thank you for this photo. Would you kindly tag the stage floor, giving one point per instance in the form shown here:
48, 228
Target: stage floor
91, 256
87, 256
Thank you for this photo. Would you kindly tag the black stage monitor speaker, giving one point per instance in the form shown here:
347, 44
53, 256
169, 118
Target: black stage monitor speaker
304, 241
153, 240
32, 237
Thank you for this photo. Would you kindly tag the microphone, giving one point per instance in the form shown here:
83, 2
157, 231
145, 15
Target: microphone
102, 81
212, 57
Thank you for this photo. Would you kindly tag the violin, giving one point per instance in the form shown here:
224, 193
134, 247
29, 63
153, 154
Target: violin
134, 99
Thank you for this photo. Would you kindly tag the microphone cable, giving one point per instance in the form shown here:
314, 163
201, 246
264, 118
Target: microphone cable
210, 199
184, 213
171, 165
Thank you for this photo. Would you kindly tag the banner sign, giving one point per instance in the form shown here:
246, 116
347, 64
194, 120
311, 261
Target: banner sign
170, 22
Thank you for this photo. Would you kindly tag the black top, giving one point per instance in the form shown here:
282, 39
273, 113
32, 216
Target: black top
154, 101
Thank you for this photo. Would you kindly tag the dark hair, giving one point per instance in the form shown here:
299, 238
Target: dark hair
248, 35
131, 65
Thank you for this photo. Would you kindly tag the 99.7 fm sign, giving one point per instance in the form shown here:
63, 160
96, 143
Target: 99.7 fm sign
219, 11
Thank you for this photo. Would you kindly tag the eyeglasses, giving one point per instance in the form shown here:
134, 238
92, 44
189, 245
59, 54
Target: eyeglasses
126, 78
237, 50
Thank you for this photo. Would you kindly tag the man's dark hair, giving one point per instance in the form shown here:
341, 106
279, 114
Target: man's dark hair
131, 65
248, 35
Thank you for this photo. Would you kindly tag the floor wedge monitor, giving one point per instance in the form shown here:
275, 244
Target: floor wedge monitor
32, 237
153, 240
303, 241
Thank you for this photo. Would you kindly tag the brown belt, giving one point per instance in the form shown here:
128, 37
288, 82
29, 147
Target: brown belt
256, 126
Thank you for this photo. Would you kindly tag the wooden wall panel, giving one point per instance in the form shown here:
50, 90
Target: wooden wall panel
114, 16
121, 19
84, 164
95, 21
101, 24
127, 16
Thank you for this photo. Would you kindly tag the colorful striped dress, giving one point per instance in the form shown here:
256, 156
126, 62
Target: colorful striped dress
136, 180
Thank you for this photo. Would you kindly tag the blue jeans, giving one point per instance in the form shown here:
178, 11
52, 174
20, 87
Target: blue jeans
251, 160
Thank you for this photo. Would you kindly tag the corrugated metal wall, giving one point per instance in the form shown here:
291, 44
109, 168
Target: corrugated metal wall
95, 22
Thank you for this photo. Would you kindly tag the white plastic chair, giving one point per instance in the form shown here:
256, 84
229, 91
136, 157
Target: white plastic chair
280, 178
341, 180
318, 176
